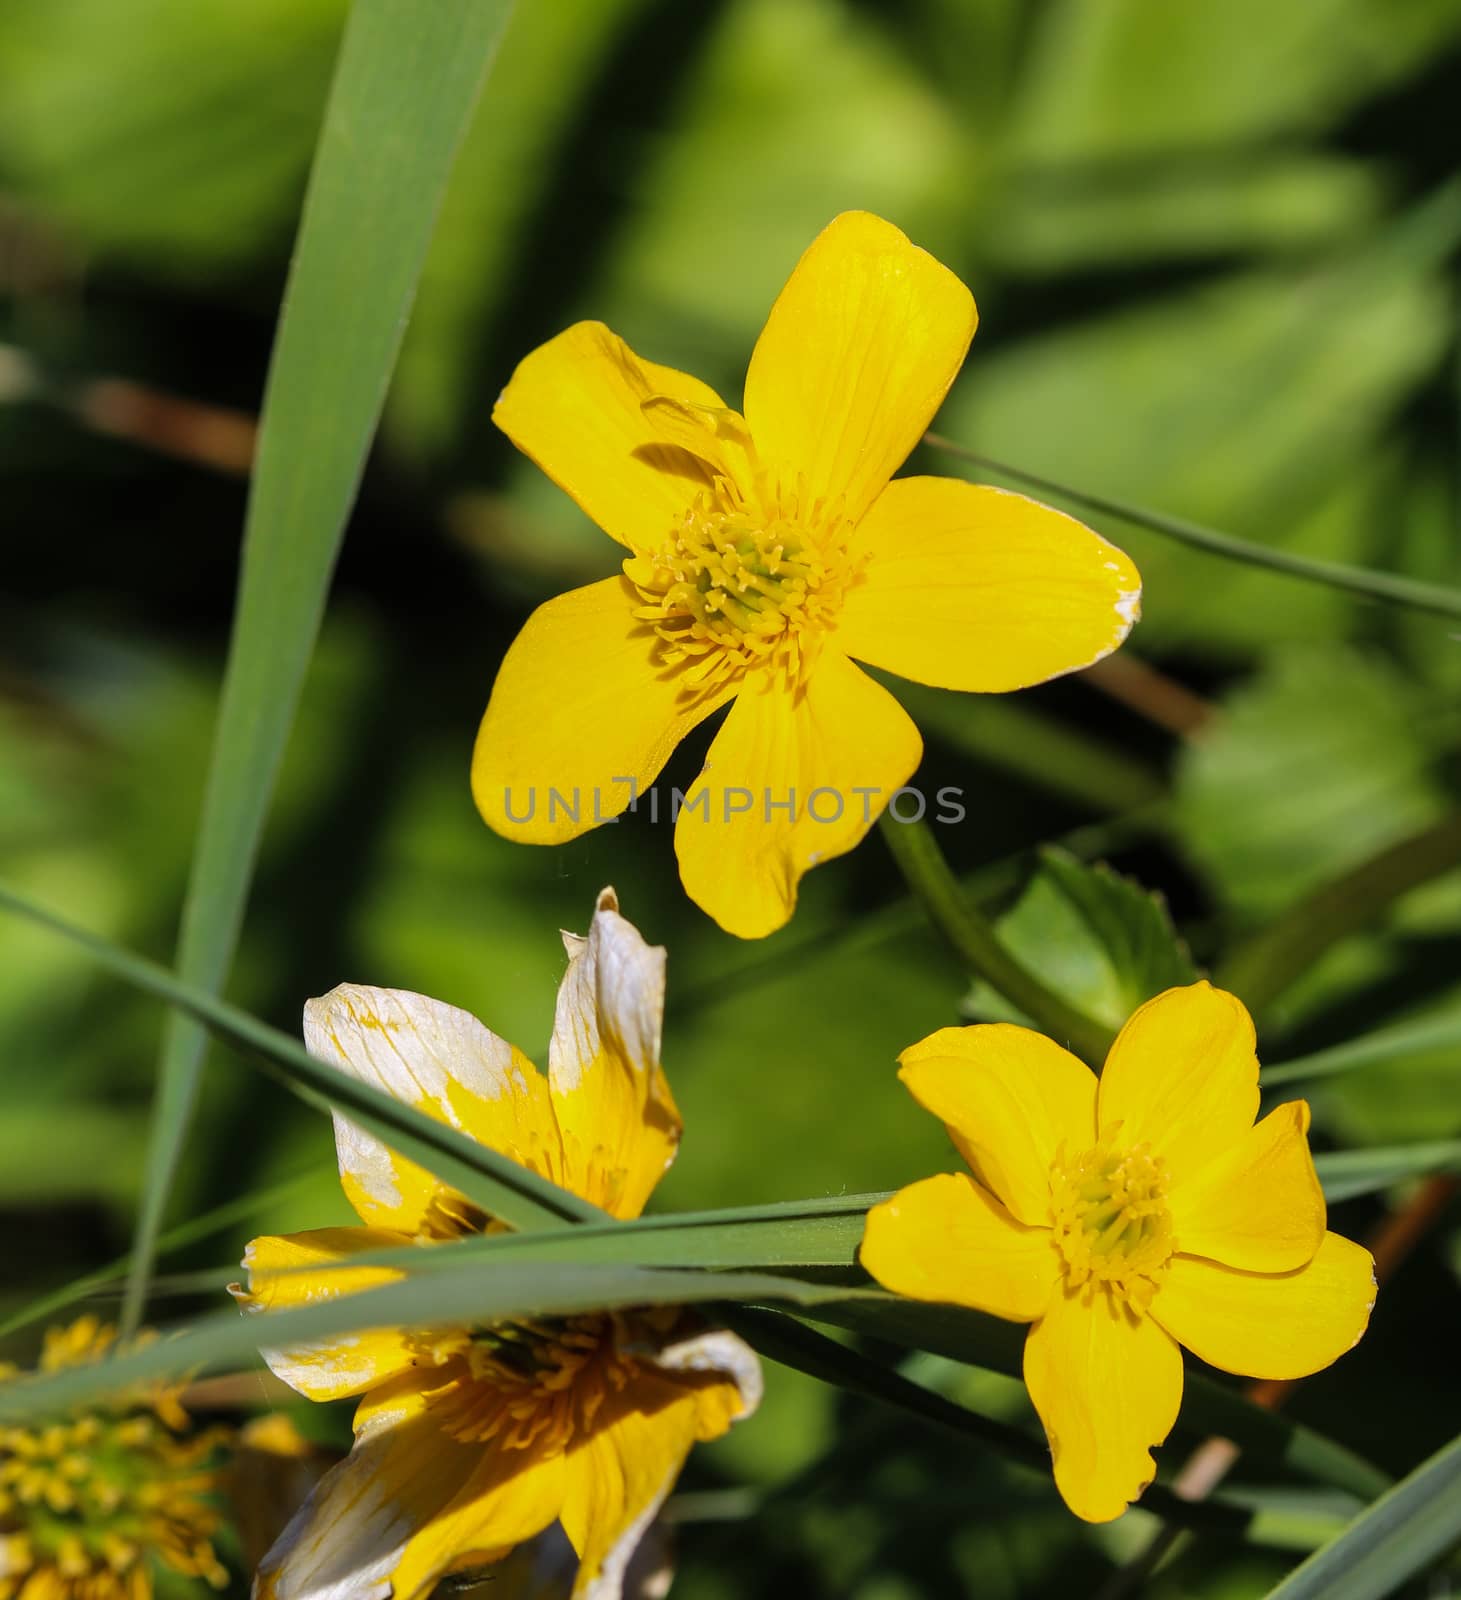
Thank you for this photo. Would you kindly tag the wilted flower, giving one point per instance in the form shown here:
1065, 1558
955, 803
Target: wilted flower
470, 1441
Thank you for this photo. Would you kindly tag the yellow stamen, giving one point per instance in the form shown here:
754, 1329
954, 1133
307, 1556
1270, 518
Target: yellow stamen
101, 1498
737, 585
1111, 1222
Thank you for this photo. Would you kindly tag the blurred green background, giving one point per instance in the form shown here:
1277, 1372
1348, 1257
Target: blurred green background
1213, 245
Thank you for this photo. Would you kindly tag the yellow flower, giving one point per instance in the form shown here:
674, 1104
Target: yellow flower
470, 1441
766, 551
1123, 1220
91, 1502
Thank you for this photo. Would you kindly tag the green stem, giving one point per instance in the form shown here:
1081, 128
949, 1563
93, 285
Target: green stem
974, 940
1263, 966
1410, 592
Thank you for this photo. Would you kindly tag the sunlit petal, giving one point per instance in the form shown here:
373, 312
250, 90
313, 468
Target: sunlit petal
1012, 1100
1257, 1206
582, 717
948, 1239
620, 1126
441, 1061
791, 780
967, 587
1270, 1325
1182, 1076
855, 359
1107, 1384
308, 1268
576, 406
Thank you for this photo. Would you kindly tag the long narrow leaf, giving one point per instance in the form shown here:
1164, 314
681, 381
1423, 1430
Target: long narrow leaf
1208, 1406
466, 1297
501, 1187
1346, 1173
1400, 1535
1382, 1048
408, 77
809, 1235
788, 1341
186, 1233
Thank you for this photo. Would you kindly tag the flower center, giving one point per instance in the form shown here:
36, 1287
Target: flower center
88, 1500
1112, 1225
735, 586
529, 1384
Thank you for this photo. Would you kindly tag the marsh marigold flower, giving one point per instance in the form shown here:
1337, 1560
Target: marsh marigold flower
470, 1441
1122, 1220
92, 1503
768, 550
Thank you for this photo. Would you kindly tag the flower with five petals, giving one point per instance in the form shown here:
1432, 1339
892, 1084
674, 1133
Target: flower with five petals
768, 549
471, 1441
1123, 1219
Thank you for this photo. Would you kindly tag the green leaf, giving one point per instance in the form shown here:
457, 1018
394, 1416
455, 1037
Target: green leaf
1346, 1173
1397, 1537
1100, 939
1106, 413
405, 86
464, 1296
1250, 798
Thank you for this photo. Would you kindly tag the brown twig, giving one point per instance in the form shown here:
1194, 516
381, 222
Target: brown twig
1151, 694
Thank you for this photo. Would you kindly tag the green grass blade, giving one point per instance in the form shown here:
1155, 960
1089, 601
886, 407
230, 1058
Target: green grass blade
467, 1296
1261, 967
1387, 586
405, 86
1377, 1049
186, 1233
784, 1339
1347, 1173
803, 1236
498, 1185
1392, 1540
1207, 1406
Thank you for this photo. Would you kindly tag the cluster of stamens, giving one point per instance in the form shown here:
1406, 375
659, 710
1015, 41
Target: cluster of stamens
87, 1501
527, 1384
1111, 1221
736, 586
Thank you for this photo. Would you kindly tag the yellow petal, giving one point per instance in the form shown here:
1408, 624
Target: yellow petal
1107, 1384
791, 780
1270, 1325
1258, 1206
713, 434
619, 1122
1011, 1100
389, 1520
505, 1502
619, 1477
1183, 1077
948, 1239
855, 359
979, 589
576, 406
442, 1061
582, 717
305, 1268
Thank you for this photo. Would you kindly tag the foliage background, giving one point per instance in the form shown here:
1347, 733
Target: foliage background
1213, 247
